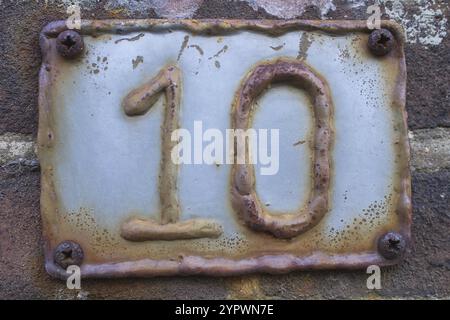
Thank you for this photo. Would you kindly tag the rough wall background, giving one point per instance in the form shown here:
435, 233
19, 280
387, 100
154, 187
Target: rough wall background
425, 273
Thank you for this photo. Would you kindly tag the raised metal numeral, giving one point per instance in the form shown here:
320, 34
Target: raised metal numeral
244, 197
137, 103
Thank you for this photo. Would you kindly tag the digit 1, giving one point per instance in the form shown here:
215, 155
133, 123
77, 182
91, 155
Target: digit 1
137, 103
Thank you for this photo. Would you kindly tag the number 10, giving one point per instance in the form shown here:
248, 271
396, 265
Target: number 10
243, 194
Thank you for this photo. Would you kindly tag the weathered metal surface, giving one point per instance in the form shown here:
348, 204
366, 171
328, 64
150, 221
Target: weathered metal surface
100, 167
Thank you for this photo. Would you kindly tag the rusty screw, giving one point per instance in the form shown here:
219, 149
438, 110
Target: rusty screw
69, 44
68, 253
381, 42
392, 245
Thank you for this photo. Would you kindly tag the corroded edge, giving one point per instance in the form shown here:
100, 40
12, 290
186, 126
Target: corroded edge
220, 26
194, 265
197, 265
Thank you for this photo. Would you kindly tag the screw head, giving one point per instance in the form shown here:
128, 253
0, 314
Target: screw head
381, 42
69, 44
68, 253
391, 245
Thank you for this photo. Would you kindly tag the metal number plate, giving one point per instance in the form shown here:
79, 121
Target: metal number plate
116, 203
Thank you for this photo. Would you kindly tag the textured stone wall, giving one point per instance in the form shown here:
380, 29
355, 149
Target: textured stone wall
425, 273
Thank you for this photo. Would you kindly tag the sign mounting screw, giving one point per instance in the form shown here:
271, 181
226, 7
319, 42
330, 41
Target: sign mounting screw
69, 44
68, 253
381, 42
391, 245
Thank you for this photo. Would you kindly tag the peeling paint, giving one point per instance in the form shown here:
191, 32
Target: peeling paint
140, 35
223, 50
276, 48
183, 46
198, 48
163, 8
137, 61
430, 149
14, 146
424, 20
289, 9
355, 3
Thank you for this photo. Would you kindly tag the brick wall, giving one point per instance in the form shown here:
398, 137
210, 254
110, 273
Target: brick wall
424, 273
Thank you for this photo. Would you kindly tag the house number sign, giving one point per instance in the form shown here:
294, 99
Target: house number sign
222, 147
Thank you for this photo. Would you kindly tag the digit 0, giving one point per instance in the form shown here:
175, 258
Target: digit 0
244, 197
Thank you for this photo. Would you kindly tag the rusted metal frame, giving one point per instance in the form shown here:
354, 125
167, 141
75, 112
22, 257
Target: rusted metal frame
221, 26
404, 204
218, 266
194, 265
45, 143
